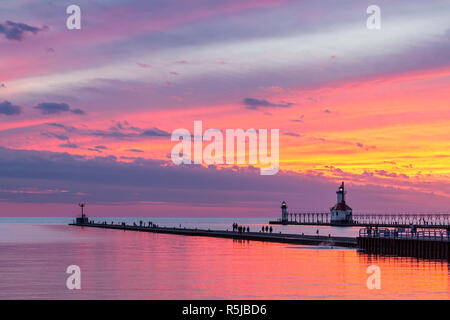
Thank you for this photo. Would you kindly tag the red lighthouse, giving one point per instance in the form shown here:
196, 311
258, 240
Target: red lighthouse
341, 213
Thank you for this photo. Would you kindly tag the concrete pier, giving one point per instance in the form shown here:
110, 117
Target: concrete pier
430, 244
251, 236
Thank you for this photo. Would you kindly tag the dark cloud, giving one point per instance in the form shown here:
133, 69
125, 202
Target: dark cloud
131, 158
327, 111
52, 108
155, 132
109, 181
384, 173
15, 30
112, 134
124, 125
362, 146
78, 111
8, 109
57, 108
101, 147
300, 119
123, 130
135, 150
58, 125
124, 134
106, 179
55, 135
252, 103
61, 126
69, 145
292, 134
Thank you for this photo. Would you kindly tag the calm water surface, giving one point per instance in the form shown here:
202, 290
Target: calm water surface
34, 254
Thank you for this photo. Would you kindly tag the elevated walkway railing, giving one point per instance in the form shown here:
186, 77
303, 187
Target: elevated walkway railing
422, 219
430, 235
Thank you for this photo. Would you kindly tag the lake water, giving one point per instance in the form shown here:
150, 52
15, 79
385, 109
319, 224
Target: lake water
35, 252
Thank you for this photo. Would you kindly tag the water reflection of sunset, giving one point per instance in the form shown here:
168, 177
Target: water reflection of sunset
129, 265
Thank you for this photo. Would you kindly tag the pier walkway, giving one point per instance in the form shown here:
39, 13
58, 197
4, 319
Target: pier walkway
253, 236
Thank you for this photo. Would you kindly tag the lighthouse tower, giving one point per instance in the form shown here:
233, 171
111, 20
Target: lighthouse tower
83, 219
341, 213
284, 213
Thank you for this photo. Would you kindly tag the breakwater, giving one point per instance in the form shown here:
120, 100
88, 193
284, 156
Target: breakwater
430, 244
250, 236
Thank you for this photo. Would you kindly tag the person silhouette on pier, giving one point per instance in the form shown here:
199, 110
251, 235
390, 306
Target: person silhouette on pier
270, 229
248, 229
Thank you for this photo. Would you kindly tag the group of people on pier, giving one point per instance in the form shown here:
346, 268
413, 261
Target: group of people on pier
141, 224
239, 228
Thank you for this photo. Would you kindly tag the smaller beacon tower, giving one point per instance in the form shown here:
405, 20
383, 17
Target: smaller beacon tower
284, 213
341, 213
83, 219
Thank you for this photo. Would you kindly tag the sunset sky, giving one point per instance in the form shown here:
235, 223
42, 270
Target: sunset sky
86, 115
